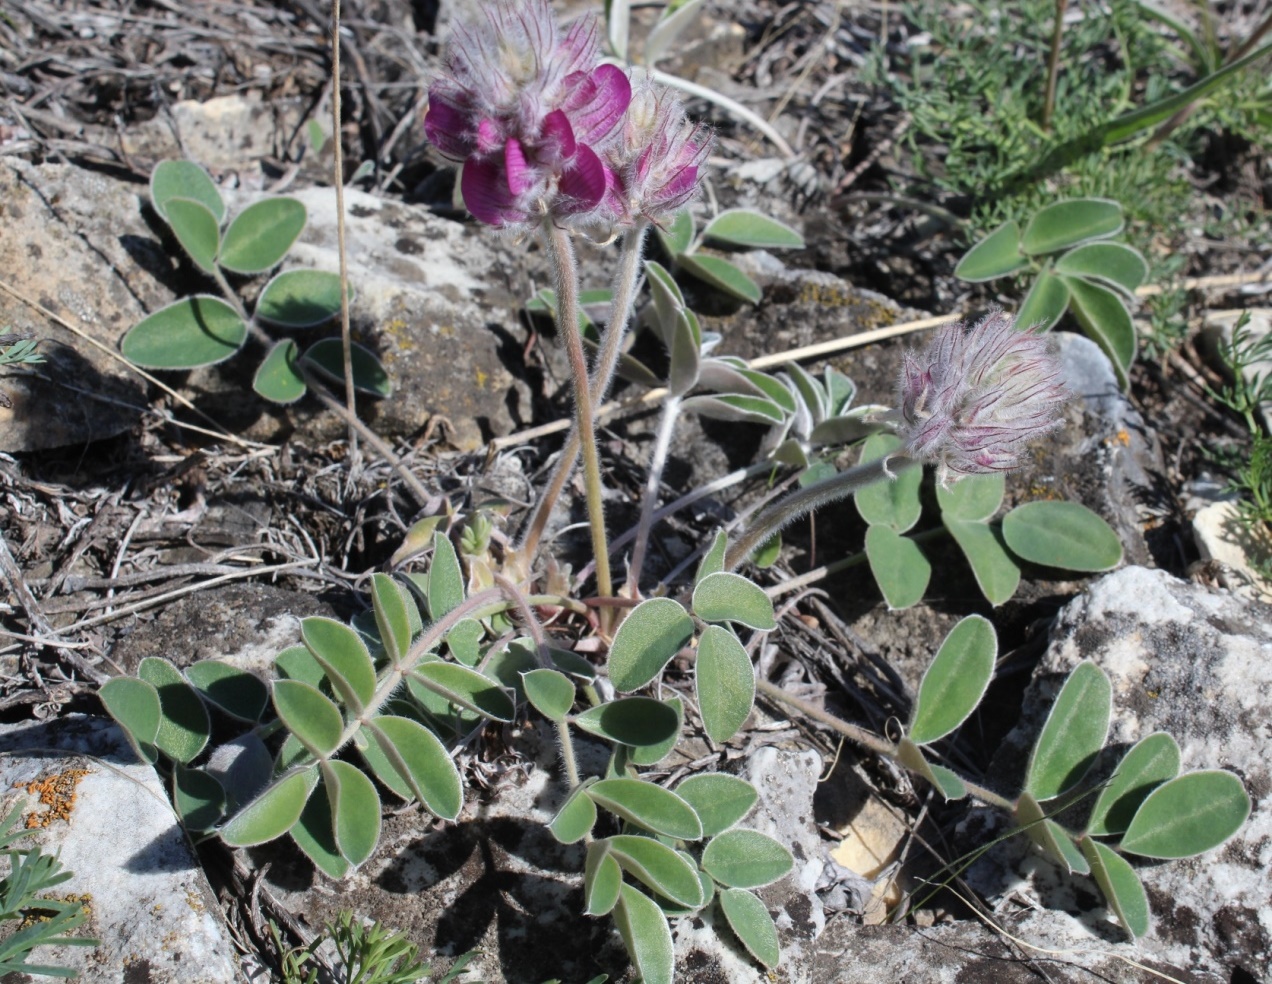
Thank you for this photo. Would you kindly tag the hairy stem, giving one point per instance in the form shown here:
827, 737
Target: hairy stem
805, 500
653, 481
607, 360
867, 739
561, 249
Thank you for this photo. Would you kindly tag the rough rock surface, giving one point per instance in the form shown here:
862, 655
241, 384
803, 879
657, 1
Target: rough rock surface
1183, 659
148, 901
75, 243
437, 300
432, 301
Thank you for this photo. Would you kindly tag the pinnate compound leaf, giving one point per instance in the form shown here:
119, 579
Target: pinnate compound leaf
1073, 734
1121, 886
742, 227
890, 502
197, 230
648, 806
1114, 265
720, 800
750, 921
232, 690
344, 658
445, 578
746, 859
1188, 815
184, 179
577, 816
355, 807
956, 681
647, 755
1070, 223
724, 680
1104, 317
466, 688
898, 565
309, 715
184, 727
1066, 535
1152, 761
659, 867
728, 597
369, 374
996, 571
601, 879
300, 298
649, 637
646, 934
314, 833
419, 763
722, 275
713, 560
273, 812
261, 234
549, 692
975, 498
635, 721
193, 332
997, 255
277, 379
198, 797
392, 616
1045, 304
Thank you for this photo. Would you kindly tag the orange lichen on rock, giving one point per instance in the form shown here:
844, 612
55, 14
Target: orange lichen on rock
57, 792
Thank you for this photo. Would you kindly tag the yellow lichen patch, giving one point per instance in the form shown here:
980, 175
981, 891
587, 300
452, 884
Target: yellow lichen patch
34, 914
57, 792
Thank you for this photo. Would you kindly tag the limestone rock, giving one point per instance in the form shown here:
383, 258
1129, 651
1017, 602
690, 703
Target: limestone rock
1197, 664
1183, 659
75, 242
428, 302
108, 818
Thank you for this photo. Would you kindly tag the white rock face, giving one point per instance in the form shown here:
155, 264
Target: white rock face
1183, 659
1197, 664
149, 902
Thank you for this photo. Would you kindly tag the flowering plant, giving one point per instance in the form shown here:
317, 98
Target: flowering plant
552, 140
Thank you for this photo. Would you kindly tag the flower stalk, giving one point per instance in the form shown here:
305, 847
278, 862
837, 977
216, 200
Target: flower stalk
561, 249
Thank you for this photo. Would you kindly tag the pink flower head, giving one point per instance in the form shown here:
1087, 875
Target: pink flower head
975, 397
528, 109
659, 160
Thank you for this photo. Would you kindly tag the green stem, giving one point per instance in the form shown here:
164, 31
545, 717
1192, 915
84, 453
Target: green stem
868, 739
607, 361
1053, 64
561, 248
805, 500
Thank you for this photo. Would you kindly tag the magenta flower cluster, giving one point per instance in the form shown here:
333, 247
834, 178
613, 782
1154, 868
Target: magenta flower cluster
976, 397
545, 129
